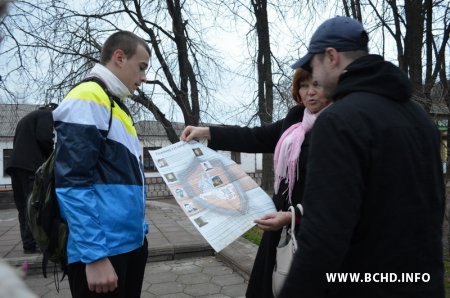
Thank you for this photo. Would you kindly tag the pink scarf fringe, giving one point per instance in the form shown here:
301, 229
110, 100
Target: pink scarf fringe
287, 152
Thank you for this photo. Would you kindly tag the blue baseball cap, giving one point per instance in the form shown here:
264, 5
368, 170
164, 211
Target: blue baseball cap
342, 33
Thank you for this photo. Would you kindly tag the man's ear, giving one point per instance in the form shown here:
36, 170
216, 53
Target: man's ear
332, 55
118, 57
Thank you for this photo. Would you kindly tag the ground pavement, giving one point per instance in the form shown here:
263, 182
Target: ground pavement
180, 264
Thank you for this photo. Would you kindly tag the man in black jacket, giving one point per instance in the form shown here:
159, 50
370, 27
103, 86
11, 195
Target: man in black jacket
33, 144
374, 195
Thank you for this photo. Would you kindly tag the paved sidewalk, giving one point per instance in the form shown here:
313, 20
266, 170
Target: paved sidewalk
175, 248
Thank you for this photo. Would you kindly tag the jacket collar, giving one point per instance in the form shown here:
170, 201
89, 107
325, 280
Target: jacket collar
114, 84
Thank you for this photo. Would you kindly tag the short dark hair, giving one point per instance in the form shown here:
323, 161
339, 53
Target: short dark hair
353, 55
126, 41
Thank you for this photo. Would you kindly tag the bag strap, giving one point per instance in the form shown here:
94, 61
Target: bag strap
292, 209
112, 98
292, 230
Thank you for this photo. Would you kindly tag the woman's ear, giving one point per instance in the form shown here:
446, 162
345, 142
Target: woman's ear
298, 98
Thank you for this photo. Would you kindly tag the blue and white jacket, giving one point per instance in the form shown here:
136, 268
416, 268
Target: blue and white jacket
99, 184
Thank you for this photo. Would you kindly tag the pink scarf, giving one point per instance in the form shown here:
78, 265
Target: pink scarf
288, 149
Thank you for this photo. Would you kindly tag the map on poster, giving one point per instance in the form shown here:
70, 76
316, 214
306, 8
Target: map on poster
219, 198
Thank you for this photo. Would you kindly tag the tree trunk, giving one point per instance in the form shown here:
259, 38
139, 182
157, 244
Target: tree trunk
397, 34
414, 17
188, 82
265, 84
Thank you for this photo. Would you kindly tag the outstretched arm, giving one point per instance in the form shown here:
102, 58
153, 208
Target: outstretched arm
195, 133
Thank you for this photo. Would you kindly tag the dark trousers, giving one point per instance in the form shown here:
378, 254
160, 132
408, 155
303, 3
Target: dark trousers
22, 184
129, 268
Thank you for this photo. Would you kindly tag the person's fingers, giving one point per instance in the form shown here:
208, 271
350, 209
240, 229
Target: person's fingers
101, 276
262, 222
114, 283
104, 287
111, 283
261, 226
259, 221
110, 287
185, 133
268, 216
266, 227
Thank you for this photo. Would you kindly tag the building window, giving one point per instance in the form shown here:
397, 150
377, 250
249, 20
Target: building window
6, 157
236, 156
149, 165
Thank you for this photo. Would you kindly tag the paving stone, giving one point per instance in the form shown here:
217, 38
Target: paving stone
157, 267
185, 269
9, 242
63, 293
147, 295
145, 285
215, 296
217, 270
235, 290
160, 277
194, 278
227, 280
202, 289
179, 295
166, 288
10, 236
171, 228
207, 262
180, 237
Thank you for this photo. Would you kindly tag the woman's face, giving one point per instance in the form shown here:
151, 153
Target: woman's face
312, 96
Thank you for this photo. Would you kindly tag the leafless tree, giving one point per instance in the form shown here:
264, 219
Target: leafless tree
418, 29
67, 39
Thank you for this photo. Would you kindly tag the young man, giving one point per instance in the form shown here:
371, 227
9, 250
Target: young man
374, 194
33, 144
99, 177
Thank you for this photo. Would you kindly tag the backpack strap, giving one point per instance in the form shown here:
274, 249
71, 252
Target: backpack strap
112, 98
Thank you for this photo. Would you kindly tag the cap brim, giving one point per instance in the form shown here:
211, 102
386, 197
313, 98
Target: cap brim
303, 62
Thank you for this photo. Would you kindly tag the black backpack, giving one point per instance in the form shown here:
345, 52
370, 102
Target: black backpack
48, 228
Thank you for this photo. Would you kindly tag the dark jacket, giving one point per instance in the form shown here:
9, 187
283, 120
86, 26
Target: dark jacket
374, 193
33, 141
264, 140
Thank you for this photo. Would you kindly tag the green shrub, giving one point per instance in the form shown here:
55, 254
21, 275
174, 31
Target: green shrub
254, 235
